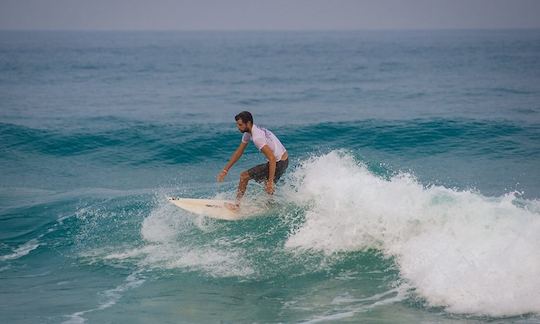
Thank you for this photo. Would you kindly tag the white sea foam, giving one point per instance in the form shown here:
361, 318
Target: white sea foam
169, 235
210, 260
359, 305
459, 249
344, 305
4, 268
163, 225
21, 250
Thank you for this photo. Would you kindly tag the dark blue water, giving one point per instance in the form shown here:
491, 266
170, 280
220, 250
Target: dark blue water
412, 194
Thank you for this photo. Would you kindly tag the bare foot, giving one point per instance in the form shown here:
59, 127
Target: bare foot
233, 207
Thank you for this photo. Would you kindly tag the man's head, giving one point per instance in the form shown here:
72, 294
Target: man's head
244, 121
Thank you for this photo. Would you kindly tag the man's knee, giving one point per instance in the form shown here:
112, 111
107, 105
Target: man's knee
244, 176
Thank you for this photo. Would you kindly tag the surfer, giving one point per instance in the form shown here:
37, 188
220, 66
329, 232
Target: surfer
269, 145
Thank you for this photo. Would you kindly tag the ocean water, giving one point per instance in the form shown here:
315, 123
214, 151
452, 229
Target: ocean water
413, 192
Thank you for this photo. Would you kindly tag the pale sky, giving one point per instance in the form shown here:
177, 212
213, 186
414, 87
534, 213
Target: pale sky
267, 15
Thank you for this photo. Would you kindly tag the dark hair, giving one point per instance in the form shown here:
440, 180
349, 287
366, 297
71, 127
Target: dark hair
245, 116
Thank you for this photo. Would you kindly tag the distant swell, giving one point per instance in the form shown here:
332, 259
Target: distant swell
133, 143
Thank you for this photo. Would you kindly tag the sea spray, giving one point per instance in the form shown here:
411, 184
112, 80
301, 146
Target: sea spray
459, 249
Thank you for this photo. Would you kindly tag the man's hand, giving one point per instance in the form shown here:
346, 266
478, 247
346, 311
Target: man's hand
270, 187
221, 175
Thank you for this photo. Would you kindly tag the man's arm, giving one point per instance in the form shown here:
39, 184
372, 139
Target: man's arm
236, 155
271, 168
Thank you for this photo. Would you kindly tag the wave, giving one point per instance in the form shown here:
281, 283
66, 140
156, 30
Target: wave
456, 249
132, 144
426, 137
460, 250
126, 142
110, 297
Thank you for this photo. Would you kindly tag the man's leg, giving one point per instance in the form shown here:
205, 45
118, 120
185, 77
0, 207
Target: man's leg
258, 173
242, 185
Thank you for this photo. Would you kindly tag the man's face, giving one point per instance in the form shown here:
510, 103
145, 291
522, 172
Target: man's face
242, 127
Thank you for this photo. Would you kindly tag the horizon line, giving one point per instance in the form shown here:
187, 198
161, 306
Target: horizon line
270, 30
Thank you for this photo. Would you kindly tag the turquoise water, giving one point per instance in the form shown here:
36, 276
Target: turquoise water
412, 194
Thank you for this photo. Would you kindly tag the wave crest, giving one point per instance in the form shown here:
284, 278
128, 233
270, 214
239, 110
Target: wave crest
460, 250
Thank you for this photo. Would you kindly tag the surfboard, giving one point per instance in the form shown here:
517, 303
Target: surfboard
215, 208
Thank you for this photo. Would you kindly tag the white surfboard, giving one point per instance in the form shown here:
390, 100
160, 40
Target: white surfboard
215, 208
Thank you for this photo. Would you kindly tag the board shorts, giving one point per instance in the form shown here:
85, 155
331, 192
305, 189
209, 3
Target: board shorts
259, 172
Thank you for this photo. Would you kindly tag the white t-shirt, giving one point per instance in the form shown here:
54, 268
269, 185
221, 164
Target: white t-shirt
261, 137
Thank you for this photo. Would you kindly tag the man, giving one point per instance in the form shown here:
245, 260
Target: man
269, 145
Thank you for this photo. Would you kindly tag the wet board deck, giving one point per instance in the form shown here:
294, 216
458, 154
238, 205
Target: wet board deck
215, 208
